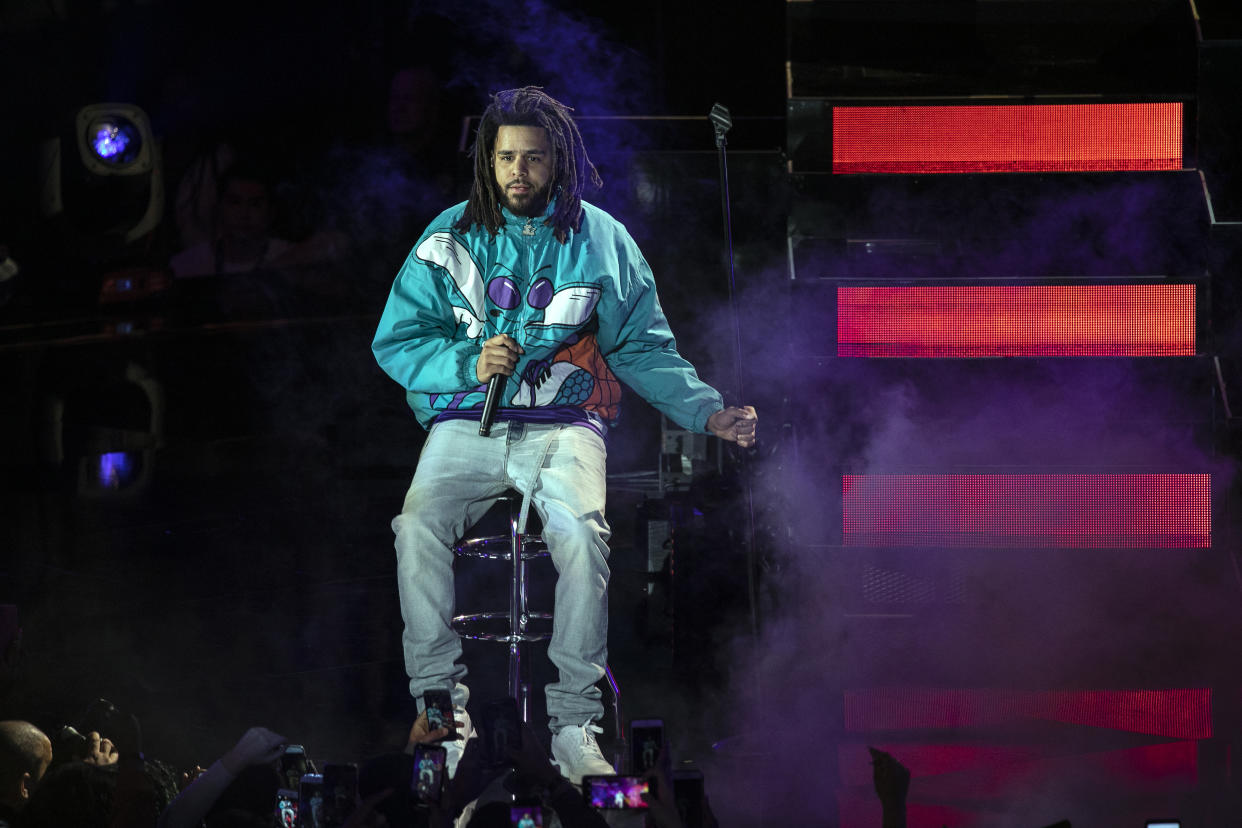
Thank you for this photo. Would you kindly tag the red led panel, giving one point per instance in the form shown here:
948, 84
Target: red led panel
974, 771
935, 758
1097, 511
983, 791
1173, 713
1016, 320
1007, 138
863, 810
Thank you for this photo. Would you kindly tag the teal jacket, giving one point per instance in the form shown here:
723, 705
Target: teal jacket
586, 313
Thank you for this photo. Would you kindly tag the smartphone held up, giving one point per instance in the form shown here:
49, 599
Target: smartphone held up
427, 780
438, 704
615, 792
646, 742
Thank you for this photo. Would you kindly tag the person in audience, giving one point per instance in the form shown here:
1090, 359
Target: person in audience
242, 240
25, 753
892, 784
73, 793
257, 747
129, 793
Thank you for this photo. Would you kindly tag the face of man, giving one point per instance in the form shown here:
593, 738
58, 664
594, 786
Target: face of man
245, 212
522, 160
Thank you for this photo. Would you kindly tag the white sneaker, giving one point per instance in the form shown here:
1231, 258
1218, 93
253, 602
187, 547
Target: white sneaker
453, 747
576, 753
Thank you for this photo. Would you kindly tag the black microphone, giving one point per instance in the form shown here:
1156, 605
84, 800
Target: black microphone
722, 122
489, 404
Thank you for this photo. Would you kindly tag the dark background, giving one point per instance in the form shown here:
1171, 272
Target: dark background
244, 574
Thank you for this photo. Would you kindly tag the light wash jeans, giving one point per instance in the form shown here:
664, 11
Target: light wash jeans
459, 476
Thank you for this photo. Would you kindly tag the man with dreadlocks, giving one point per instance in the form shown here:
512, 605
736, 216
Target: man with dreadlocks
527, 281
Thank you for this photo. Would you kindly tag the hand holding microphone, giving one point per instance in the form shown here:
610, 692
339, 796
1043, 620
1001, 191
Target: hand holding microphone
737, 425
497, 360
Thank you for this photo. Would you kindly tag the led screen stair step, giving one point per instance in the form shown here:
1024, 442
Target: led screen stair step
939, 47
1005, 226
999, 134
997, 756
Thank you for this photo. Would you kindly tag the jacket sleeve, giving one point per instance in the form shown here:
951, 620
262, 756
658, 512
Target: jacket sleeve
419, 342
639, 347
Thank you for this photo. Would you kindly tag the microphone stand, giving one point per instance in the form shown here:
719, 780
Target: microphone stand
722, 122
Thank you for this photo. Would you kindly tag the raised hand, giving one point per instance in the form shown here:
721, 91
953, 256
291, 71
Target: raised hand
100, 750
421, 732
257, 746
737, 425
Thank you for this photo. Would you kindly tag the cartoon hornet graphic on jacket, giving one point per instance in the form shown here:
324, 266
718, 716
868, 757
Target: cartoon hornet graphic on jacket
562, 366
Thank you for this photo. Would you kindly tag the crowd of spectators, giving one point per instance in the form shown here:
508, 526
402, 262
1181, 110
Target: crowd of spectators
98, 773
83, 777
105, 778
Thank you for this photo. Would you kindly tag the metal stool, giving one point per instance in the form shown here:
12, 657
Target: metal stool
518, 548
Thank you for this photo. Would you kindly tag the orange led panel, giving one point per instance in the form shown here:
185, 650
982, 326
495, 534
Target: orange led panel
1016, 320
1007, 138
1069, 511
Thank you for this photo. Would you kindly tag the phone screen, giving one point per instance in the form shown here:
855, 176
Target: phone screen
292, 765
340, 794
688, 795
615, 792
310, 801
502, 729
646, 741
287, 808
439, 707
525, 816
428, 778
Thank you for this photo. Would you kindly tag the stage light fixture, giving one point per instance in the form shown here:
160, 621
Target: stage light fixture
115, 141
115, 470
112, 187
105, 429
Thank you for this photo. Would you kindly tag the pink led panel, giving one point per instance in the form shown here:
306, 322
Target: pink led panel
1007, 138
985, 767
1172, 713
1016, 320
974, 795
1098, 511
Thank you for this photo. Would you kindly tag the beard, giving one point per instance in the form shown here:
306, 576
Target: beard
530, 204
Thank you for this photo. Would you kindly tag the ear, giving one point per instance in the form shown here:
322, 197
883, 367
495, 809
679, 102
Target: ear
23, 791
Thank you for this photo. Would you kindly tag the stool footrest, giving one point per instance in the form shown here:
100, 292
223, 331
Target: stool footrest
467, 626
532, 547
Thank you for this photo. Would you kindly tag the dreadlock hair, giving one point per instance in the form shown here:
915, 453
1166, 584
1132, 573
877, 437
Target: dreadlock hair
571, 169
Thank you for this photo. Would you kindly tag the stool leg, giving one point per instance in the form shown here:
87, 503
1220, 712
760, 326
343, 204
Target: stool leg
518, 689
515, 678
620, 747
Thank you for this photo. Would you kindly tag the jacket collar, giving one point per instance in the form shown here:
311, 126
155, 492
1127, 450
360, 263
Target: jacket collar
513, 219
